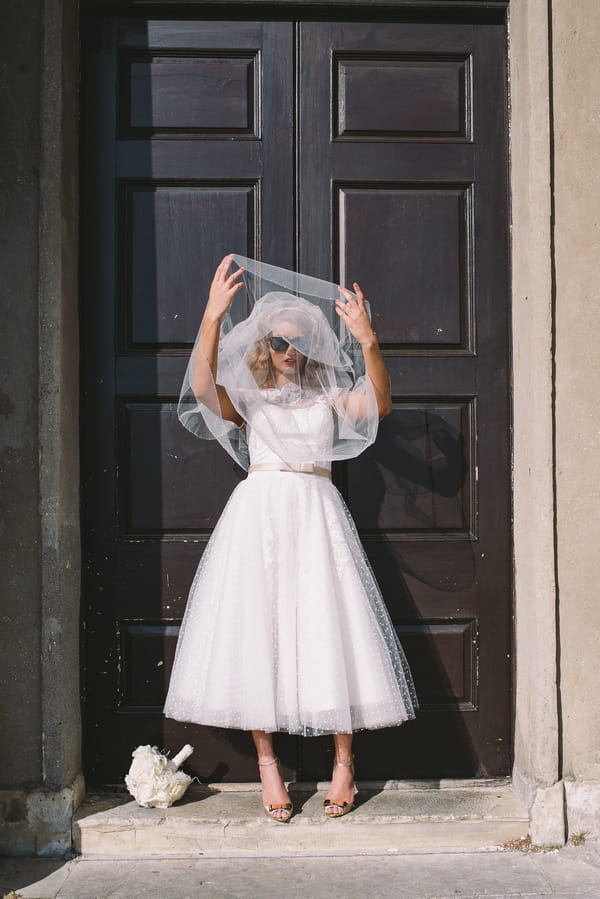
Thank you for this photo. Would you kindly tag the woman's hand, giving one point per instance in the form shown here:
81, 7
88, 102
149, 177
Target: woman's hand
205, 359
222, 290
352, 310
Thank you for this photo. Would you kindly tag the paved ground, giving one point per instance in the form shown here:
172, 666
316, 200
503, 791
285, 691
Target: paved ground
560, 874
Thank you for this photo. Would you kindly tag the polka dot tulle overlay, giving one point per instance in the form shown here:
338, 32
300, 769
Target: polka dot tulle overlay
285, 628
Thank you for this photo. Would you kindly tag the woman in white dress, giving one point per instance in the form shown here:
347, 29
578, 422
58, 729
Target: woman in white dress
285, 628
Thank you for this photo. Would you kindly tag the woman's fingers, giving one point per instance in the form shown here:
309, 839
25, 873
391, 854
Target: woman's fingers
356, 299
353, 311
224, 286
226, 280
346, 294
223, 267
235, 275
224, 264
346, 304
351, 305
221, 270
359, 293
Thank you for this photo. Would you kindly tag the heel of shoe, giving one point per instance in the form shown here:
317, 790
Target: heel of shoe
342, 807
271, 810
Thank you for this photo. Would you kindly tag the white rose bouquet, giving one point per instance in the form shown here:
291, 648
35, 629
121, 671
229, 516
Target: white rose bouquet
154, 780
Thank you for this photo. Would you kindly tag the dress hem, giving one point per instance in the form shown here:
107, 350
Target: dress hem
296, 732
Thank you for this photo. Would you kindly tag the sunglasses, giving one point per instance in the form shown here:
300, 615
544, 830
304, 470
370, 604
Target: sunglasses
280, 344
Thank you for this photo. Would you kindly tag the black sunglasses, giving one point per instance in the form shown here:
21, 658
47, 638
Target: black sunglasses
280, 344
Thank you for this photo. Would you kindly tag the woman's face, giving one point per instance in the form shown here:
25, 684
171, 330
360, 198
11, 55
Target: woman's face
286, 361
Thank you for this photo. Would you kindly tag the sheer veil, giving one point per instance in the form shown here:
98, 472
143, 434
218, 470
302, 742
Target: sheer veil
278, 309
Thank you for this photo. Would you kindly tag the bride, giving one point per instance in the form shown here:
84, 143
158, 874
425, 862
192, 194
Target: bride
285, 627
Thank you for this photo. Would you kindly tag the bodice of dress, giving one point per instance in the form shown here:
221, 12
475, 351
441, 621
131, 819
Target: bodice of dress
279, 431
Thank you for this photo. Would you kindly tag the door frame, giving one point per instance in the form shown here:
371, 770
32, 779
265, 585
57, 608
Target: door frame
537, 773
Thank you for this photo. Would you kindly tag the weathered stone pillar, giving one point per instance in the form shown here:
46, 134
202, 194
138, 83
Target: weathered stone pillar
555, 174
40, 764
576, 89
537, 726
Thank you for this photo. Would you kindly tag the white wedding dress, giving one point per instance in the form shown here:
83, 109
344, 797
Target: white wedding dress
285, 627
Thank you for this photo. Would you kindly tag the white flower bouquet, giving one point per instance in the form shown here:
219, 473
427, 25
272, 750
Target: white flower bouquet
154, 780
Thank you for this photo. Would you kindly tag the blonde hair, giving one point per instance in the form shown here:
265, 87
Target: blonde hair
259, 363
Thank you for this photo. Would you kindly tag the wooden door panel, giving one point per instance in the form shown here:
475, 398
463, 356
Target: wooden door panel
417, 477
453, 683
402, 155
192, 159
148, 650
164, 268
419, 246
158, 495
435, 89
195, 93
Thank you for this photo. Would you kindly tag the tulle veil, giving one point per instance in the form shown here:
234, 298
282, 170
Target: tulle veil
287, 309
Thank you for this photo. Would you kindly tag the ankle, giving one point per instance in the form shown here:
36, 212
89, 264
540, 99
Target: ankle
267, 762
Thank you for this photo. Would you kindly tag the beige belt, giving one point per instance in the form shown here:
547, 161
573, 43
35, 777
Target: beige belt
301, 467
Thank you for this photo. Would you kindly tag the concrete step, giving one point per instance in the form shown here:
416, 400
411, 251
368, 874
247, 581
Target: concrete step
390, 817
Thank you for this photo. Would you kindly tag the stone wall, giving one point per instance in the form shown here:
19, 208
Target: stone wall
19, 520
40, 763
555, 166
576, 131
537, 720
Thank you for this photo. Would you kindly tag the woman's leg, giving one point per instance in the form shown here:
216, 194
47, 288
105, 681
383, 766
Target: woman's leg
273, 787
342, 780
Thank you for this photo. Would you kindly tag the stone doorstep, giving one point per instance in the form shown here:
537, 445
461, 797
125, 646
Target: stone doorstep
228, 821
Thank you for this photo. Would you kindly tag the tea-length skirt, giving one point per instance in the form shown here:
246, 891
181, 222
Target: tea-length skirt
285, 627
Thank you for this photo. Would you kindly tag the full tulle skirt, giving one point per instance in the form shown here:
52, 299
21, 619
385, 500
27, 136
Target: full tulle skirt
285, 627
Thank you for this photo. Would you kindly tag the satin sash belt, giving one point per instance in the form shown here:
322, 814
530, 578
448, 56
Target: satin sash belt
302, 467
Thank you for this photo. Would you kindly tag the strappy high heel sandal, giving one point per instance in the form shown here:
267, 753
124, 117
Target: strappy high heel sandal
271, 810
338, 808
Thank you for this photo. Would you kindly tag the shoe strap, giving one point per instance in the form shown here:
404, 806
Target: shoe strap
266, 764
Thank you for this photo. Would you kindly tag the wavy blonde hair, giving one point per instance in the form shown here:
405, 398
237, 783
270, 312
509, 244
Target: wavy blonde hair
259, 363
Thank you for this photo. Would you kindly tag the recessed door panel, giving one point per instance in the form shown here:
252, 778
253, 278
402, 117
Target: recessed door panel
164, 267
197, 93
415, 243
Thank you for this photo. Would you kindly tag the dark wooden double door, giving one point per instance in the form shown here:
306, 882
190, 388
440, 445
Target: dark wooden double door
351, 151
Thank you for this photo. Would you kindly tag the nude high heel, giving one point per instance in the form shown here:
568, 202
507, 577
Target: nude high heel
339, 809
270, 810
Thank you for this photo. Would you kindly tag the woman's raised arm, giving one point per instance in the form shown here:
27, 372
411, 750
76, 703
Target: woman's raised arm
353, 312
204, 362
